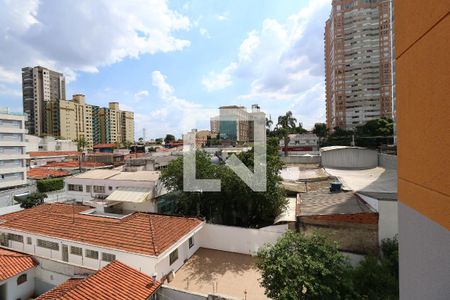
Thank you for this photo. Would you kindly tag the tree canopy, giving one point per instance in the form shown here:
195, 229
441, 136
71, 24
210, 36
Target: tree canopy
169, 138
304, 267
236, 204
32, 200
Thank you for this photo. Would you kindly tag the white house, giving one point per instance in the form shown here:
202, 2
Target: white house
17, 272
135, 191
81, 236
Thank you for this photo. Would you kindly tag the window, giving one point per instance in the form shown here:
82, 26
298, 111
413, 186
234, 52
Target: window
191, 242
108, 257
48, 244
91, 254
76, 251
15, 237
99, 189
88, 188
173, 256
75, 187
21, 279
29, 241
110, 188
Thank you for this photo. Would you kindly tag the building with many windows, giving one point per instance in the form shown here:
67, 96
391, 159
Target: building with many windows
358, 62
40, 86
12, 150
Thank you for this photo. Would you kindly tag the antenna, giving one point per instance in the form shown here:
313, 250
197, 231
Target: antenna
143, 134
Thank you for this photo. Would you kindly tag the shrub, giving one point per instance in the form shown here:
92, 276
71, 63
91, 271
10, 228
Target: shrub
48, 185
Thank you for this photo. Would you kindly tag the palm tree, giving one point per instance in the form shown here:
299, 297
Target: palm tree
285, 126
81, 143
269, 123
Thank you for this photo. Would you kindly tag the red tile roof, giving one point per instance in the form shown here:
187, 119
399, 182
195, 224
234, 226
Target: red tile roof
42, 173
146, 233
105, 146
13, 263
73, 164
53, 153
116, 281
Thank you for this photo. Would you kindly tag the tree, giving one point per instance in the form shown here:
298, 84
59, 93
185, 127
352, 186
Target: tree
304, 267
159, 140
32, 200
285, 126
236, 204
81, 143
269, 124
376, 277
169, 138
375, 132
321, 130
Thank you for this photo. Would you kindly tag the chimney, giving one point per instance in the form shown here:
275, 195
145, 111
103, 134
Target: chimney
154, 278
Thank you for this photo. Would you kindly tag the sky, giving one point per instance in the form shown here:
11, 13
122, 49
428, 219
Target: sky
161, 59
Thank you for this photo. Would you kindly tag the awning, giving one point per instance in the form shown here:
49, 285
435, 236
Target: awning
288, 215
131, 194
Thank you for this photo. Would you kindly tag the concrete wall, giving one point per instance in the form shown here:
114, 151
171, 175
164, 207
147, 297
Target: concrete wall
387, 161
424, 253
170, 293
299, 159
350, 158
238, 239
7, 196
388, 216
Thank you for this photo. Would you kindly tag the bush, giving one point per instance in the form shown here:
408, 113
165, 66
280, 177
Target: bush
48, 185
32, 200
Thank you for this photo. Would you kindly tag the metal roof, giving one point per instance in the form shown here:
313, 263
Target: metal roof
131, 194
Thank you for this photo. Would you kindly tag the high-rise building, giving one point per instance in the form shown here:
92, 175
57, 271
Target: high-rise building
12, 150
235, 123
422, 49
116, 126
39, 86
358, 62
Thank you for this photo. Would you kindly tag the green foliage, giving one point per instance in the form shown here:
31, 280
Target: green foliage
169, 138
159, 140
236, 204
48, 185
304, 267
31, 200
377, 277
81, 143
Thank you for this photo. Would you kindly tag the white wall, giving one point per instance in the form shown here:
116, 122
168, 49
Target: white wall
22, 291
387, 161
350, 158
388, 216
238, 239
171, 293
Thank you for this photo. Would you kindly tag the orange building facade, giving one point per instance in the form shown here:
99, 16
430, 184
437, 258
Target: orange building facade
423, 113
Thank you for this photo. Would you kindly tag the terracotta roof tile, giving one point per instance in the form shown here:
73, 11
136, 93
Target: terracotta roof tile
104, 146
13, 263
53, 153
116, 281
42, 173
73, 164
146, 233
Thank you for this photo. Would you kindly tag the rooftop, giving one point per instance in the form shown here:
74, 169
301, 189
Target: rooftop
98, 146
370, 180
53, 153
213, 271
116, 281
13, 263
144, 233
326, 203
117, 175
74, 164
42, 173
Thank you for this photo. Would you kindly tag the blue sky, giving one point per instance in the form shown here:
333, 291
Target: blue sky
161, 58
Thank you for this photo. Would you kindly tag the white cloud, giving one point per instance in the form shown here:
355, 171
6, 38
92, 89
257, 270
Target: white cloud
223, 17
282, 62
218, 81
204, 32
84, 35
141, 94
5, 90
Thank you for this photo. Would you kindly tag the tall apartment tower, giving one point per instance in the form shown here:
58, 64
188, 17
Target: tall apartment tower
116, 126
358, 62
39, 86
13, 171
